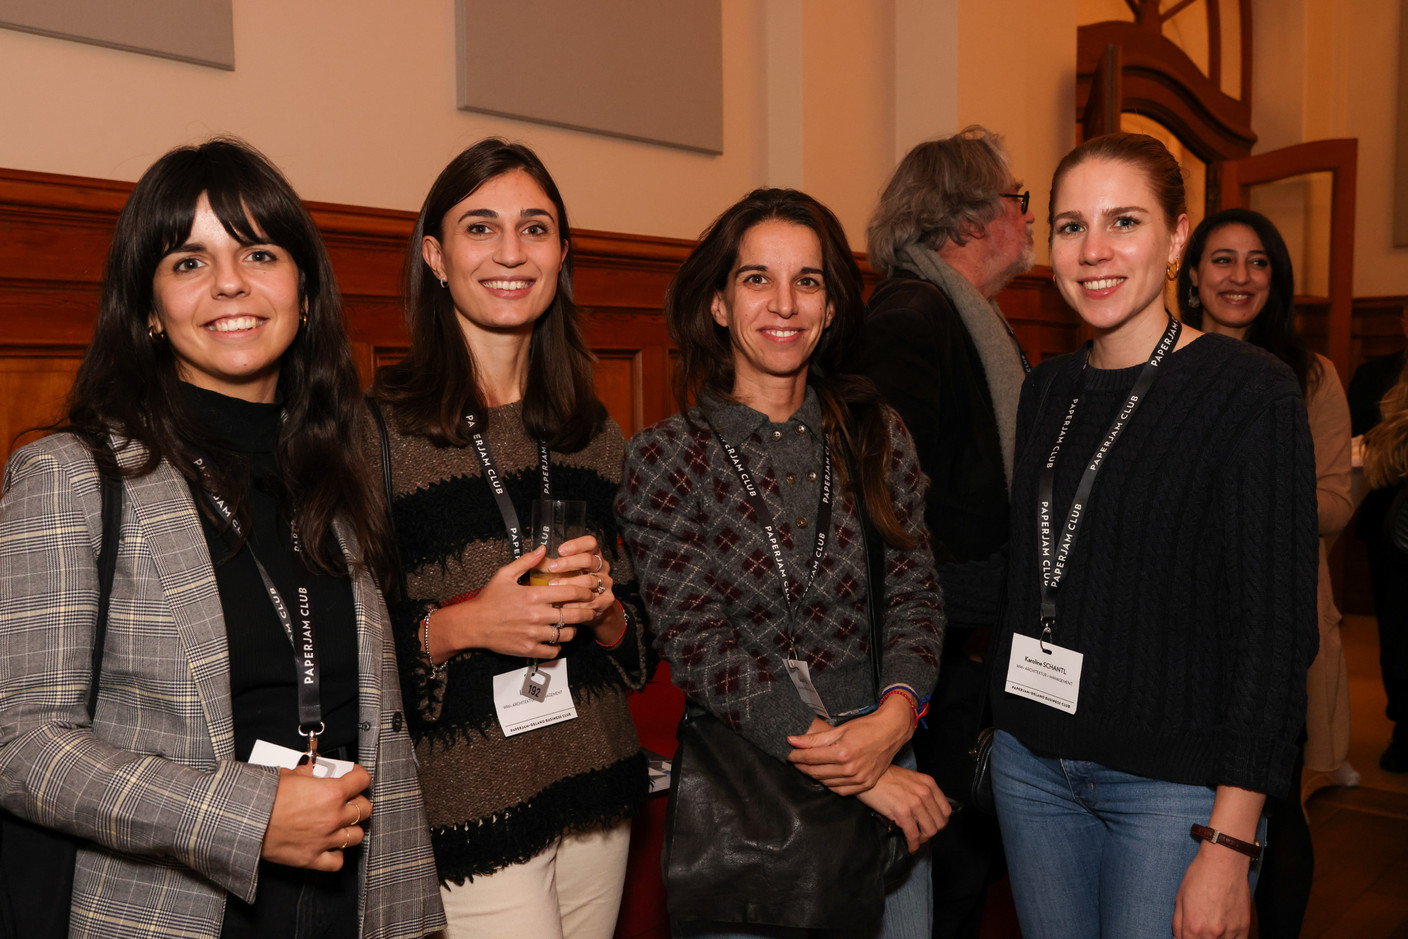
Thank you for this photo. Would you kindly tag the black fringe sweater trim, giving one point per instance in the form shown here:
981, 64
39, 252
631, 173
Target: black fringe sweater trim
514, 835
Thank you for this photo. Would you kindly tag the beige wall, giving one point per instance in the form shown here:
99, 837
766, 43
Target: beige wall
355, 99
1326, 69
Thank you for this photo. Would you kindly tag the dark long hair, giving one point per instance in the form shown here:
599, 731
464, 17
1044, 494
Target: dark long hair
437, 384
851, 406
128, 384
1274, 328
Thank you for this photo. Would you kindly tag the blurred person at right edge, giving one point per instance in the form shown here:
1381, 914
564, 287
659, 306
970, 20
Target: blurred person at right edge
1237, 280
952, 229
1378, 405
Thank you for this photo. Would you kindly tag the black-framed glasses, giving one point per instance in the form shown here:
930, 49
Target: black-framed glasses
1023, 197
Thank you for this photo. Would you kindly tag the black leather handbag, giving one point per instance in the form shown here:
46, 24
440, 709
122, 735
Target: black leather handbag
750, 839
36, 863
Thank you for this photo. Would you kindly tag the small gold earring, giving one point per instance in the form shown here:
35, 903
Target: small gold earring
156, 334
303, 319
1173, 270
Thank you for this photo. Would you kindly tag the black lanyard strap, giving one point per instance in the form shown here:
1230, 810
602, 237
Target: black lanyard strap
1055, 556
765, 518
301, 635
496, 485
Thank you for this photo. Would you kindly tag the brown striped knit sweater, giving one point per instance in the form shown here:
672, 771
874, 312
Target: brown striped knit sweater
494, 801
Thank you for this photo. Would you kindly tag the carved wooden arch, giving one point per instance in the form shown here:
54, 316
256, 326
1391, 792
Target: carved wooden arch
1131, 66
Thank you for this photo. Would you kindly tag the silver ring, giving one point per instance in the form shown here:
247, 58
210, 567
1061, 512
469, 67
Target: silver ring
560, 620
556, 636
600, 587
599, 565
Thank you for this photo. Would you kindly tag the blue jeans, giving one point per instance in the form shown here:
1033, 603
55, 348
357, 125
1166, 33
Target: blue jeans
1093, 851
909, 908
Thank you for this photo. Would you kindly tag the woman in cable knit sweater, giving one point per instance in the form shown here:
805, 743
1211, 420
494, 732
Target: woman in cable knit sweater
492, 409
1148, 682
765, 313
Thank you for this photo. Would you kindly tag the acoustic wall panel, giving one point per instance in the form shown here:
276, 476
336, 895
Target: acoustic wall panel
199, 31
641, 69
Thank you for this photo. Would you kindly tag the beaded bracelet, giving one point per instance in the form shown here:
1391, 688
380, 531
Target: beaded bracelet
425, 633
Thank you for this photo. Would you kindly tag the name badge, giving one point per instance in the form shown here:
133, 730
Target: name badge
549, 702
265, 753
1044, 672
801, 676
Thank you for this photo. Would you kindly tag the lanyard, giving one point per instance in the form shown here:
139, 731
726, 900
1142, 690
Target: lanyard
760, 510
496, 485
1054, 557
302, 638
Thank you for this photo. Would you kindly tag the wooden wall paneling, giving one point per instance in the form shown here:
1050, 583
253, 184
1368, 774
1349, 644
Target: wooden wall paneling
32, 390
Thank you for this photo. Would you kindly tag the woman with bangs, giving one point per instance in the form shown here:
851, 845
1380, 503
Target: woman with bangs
245, 771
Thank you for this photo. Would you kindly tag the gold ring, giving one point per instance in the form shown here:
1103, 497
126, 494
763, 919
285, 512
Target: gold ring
346, 837
358, 819
599, 565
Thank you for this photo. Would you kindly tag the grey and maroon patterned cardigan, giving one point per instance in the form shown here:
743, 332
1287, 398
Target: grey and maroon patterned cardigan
707, 575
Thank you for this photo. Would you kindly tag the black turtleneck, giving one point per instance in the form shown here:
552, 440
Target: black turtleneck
263, 672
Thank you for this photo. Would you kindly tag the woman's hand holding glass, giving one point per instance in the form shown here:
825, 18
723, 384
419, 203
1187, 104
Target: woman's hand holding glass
533, 621
511, 619
583, 554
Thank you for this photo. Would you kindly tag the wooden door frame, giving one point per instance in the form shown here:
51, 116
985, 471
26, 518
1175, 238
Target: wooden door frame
1339, 157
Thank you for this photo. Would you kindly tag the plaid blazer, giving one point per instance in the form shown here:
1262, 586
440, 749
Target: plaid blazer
174, 820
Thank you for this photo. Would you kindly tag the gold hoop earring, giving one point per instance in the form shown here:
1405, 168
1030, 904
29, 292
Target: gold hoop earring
156, 334
1172, 271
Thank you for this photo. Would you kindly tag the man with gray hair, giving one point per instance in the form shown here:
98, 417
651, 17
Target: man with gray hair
952, 229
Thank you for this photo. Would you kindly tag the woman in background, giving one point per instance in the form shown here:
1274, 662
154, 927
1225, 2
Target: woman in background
1237, 281
765, 312
492, 409
1148, 682
220, 373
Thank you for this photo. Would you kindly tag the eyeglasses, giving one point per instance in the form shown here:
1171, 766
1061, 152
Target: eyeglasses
1023, 197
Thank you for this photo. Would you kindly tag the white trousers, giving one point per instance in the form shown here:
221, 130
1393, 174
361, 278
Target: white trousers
569, 890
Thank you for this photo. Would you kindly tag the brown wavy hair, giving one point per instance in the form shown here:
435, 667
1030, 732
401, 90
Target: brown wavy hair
852, 408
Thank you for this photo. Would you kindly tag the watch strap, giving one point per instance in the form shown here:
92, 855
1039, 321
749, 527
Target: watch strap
1213, 836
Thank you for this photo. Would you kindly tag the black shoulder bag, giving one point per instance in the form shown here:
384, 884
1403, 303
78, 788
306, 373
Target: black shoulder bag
750, 839
36, 863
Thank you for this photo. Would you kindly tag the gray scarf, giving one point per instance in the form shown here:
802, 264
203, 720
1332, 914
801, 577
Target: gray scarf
997, 347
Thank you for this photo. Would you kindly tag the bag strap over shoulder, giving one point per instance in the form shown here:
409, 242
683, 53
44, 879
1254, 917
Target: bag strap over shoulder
107, 567
374, 406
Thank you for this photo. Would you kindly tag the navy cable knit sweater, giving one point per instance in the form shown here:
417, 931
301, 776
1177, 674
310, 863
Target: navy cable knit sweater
1191, 587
